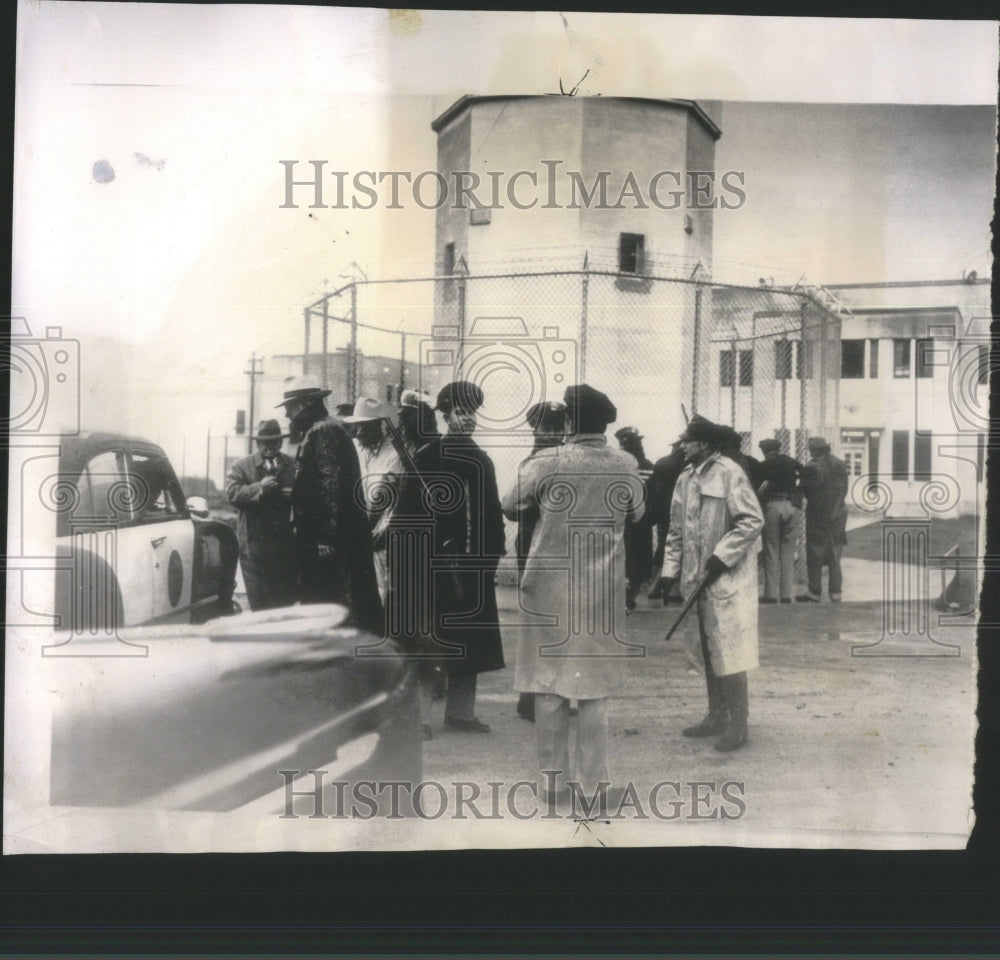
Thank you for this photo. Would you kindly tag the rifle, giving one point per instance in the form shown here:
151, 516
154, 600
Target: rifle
684, 411
689, 603
399, 445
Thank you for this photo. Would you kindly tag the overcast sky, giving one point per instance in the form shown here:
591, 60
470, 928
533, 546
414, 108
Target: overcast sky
186, 256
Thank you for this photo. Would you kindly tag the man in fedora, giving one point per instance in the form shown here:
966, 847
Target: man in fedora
331, 526
380, 472
260, 487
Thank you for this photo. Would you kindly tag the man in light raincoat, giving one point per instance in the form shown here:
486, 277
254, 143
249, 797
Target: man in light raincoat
715, 529
572, 592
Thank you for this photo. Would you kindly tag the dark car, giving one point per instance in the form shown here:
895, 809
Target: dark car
134, 550
279, 713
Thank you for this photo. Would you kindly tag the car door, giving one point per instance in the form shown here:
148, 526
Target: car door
107, 545
167, 530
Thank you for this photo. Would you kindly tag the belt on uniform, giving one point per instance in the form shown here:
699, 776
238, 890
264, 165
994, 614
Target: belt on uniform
779, 496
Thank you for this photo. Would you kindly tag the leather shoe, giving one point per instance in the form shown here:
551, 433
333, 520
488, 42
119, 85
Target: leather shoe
475, 725
767, 600
806, 598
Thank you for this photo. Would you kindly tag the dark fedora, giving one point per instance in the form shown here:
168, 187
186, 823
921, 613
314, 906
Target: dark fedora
701, 430
269, 430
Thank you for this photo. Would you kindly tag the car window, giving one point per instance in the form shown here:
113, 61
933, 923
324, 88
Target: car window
104, 489
159, 495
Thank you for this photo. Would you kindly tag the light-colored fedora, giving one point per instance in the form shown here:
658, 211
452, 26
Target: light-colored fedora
303, 387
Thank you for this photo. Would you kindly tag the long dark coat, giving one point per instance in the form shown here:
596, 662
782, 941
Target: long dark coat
639, 539
446, 538
264, 530
824, 483
328, 508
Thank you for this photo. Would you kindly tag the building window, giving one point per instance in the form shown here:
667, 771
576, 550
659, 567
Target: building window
852, 359
900, 358
984, 365
727, 369
449, 259
873, 359
630, 252
922, 456
783, 350
925, 359
901, 454
791, 360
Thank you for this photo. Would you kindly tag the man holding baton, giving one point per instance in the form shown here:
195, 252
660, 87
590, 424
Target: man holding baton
712, 545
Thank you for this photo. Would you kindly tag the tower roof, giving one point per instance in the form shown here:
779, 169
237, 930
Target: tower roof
466, 101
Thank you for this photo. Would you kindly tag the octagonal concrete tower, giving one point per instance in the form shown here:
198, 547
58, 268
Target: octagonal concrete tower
558, 150
627, 186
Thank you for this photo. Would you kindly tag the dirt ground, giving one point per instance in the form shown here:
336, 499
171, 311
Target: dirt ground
848, 747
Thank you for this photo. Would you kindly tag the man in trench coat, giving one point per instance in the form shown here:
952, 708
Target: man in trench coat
573, 588
260, 487
715, 529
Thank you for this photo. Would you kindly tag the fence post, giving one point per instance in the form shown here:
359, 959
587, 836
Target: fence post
326, 327
352, 359
784, 382
462, 270
402, 365
804, 364
584, 307
735, 373
306, 315
696, 359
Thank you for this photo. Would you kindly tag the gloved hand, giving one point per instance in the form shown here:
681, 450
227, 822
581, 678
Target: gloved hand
715, 568
665, 585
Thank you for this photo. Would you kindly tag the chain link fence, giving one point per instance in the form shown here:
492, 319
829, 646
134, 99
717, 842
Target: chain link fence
764, 360
761, 359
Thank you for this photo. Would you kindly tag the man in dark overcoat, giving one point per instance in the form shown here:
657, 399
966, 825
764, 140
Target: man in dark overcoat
453, 597
260, 488
824, 483
331, 525
638, 534
660, 490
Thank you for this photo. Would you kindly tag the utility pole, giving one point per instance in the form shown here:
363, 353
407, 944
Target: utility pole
253, 373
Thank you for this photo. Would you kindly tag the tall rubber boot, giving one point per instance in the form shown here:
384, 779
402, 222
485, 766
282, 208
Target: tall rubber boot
735, 696
717, 719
